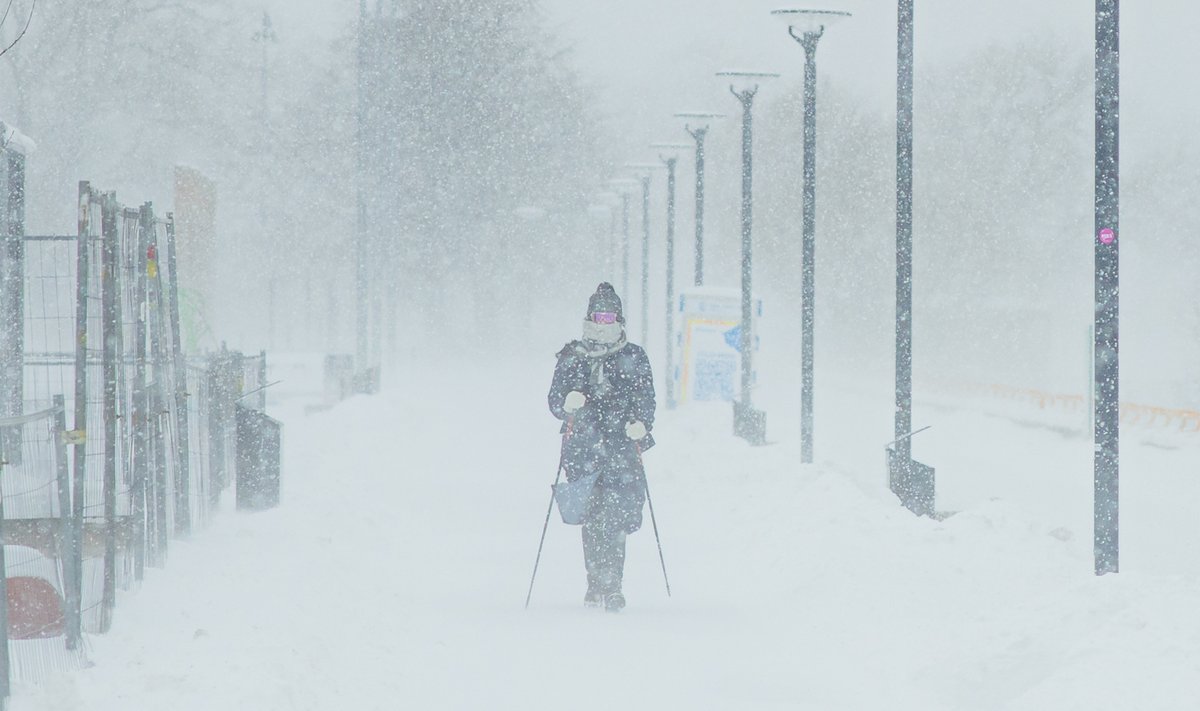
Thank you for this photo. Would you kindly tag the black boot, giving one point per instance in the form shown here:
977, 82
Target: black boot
614, 602
593, 598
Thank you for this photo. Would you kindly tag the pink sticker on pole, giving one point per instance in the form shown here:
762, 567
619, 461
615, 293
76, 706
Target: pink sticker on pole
1107, 236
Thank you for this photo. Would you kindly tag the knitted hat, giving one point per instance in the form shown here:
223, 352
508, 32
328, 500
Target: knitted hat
605, 300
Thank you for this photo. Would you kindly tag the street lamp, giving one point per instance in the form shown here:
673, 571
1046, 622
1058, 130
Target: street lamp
266, 36
748, 423
669, 152
912, 482
1106, 462
623, 187
643, 171
609, 202
361, 242
806, 27
601, 214
699, 133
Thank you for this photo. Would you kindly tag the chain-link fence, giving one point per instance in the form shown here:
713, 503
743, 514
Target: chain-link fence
155, 438
41, 610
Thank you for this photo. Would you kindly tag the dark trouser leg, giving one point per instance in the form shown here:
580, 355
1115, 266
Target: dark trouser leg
604, 545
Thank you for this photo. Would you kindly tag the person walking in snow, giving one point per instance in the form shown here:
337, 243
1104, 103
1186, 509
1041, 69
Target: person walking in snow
603, 390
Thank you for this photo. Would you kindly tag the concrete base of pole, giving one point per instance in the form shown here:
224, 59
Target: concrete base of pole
749, 424
913, 483
366, 381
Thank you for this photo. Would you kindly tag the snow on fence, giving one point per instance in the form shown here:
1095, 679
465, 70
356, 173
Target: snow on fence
90, 335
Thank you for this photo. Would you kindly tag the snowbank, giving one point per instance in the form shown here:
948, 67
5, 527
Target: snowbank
394, 574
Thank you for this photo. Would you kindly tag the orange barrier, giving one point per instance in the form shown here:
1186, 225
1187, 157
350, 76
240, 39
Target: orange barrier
1132, 414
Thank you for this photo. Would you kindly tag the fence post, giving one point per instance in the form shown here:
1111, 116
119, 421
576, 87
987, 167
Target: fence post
12, 296
183, 490
141, 440
5, 669
157, 399
216, 426
66, 553
262, 381
80, 423
235, 385
109, 330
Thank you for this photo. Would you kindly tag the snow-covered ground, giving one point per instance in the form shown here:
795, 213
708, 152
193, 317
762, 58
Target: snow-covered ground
394, 573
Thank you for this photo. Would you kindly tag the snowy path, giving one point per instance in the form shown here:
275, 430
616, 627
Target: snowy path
394, 574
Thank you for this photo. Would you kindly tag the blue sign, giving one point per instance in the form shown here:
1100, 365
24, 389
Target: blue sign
733, 337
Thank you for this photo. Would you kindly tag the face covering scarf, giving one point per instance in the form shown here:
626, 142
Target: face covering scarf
600, 340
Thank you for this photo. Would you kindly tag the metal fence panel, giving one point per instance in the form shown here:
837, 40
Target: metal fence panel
258, 465
153, 440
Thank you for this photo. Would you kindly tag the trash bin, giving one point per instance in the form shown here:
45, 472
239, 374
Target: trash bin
258, 465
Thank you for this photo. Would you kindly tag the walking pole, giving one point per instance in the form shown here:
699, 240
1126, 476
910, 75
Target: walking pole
557, 475
654, 522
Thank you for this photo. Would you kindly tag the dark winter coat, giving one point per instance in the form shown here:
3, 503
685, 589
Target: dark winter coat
595, 439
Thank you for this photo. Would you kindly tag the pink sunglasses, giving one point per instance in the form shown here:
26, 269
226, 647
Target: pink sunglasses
604, 317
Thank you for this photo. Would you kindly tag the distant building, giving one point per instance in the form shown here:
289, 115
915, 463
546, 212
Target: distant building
195, 235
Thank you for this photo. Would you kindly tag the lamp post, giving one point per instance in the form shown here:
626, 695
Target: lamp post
1106, 462
645, 261
643, 171
904, 198
911, 482
748, 423
623, 186
811, 25
609, 201
361, 243
669, 152
266, 36
699, 134
602, 215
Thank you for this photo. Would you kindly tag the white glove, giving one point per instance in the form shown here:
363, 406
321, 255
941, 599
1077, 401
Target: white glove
573, 402
635, 430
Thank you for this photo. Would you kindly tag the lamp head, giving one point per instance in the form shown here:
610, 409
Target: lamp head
622, 186
643, 170
804, 21
743, 81
671, 150
698, 116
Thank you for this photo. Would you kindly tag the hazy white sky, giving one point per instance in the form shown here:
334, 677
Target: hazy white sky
654, 57
650, 58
